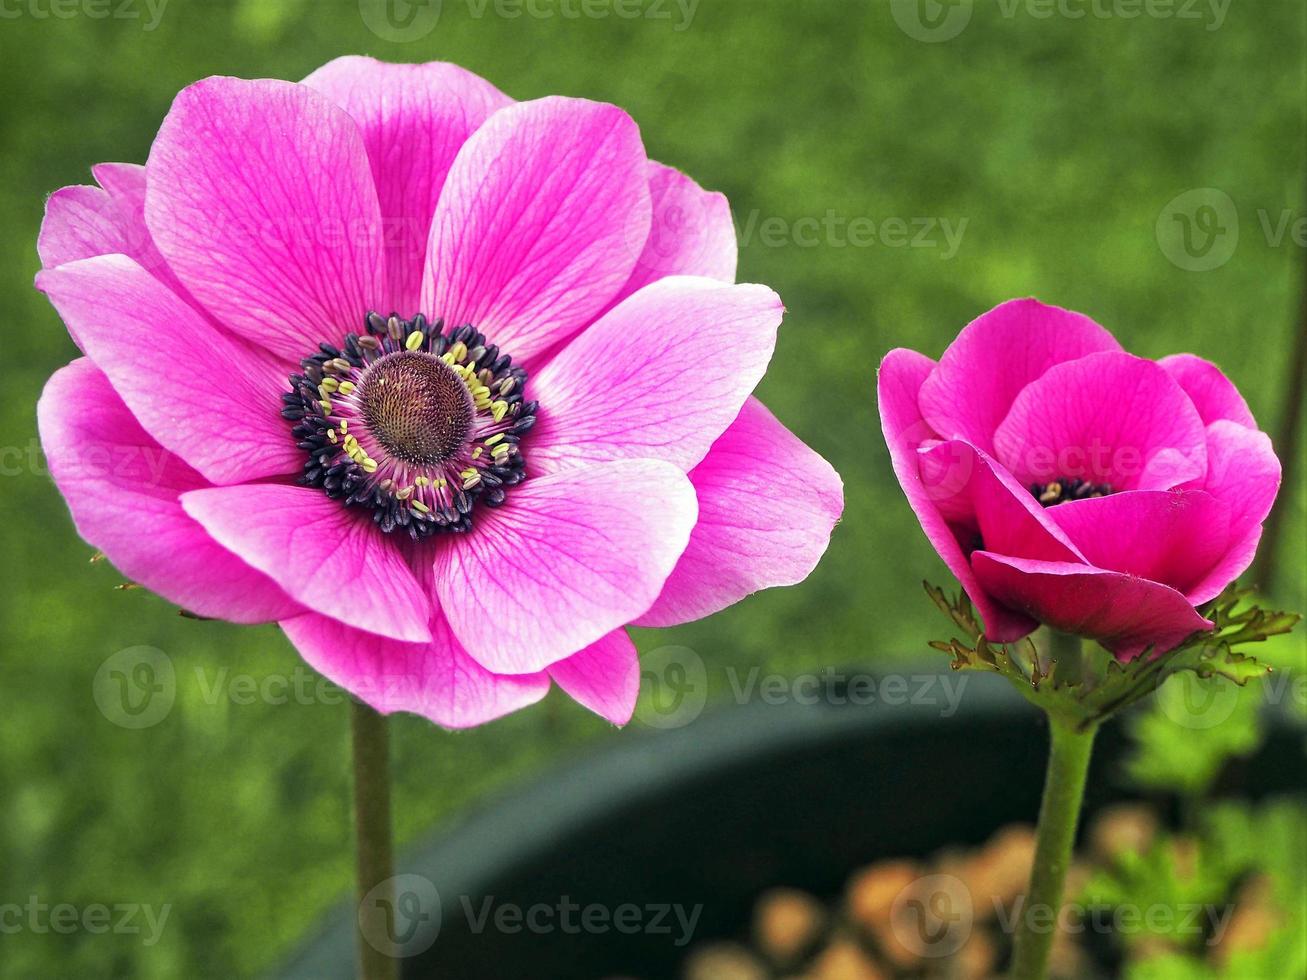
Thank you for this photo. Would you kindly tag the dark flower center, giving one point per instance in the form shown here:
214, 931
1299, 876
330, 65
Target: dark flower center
412, 422
417, 407
1068, 488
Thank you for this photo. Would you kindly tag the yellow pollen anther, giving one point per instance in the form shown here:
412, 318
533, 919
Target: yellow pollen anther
502, 450
420, 507
414, 340
346, 387
326, 406
331, 435
497, 437
344, 426
369, 465
448, 358
459, 350
404, 494
476, 453
498, 410
422, 481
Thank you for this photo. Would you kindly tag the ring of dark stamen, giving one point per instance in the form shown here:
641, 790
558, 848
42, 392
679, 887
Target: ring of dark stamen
342, 478
1068, 488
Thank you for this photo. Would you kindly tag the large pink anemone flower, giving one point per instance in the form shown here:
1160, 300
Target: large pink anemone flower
1067, 482
453, 388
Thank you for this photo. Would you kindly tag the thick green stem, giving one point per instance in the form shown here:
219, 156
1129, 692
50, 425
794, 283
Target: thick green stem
374, 864
1064, 790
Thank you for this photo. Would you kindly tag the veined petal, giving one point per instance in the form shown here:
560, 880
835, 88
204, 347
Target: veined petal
604, 677
691, 233
123, 489
1212, 393
994, 357
261, 198
660, 376
414, 120
330, 559
201, 394
767, 506
1106, 418
899, 382
437, 679
541, 220
571, 557
1125, 613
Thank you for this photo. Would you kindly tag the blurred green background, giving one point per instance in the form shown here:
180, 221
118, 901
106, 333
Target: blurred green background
1052, 144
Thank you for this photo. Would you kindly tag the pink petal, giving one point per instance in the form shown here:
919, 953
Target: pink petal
202, 395
767, 505
1243, 472
1172, 537
437, 680
262, 201
983, 502
1213, 394
1124, 613
661, 376
604, 677
1108, 418
331, 559
994, 357
691, 234
543, 215
123, 487
570, 558
414, 119
1233, 563
901, 376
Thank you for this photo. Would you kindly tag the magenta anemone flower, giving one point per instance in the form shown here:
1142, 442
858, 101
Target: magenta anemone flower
1069, 483
453, 388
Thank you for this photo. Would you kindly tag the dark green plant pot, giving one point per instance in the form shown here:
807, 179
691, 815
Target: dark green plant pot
714, 813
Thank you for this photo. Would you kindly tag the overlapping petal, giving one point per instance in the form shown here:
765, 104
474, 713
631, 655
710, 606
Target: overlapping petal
691, 233
123, 489
1213, 394
995, 357
660, 376
329, 558
767, 506
201, 394
570, 558
414, 120
604, 677
899, 382
1105, 418
542, 218
261, 198
436, 679
1125, 613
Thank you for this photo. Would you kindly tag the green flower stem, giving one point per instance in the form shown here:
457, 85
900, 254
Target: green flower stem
1064, 790
373, 860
